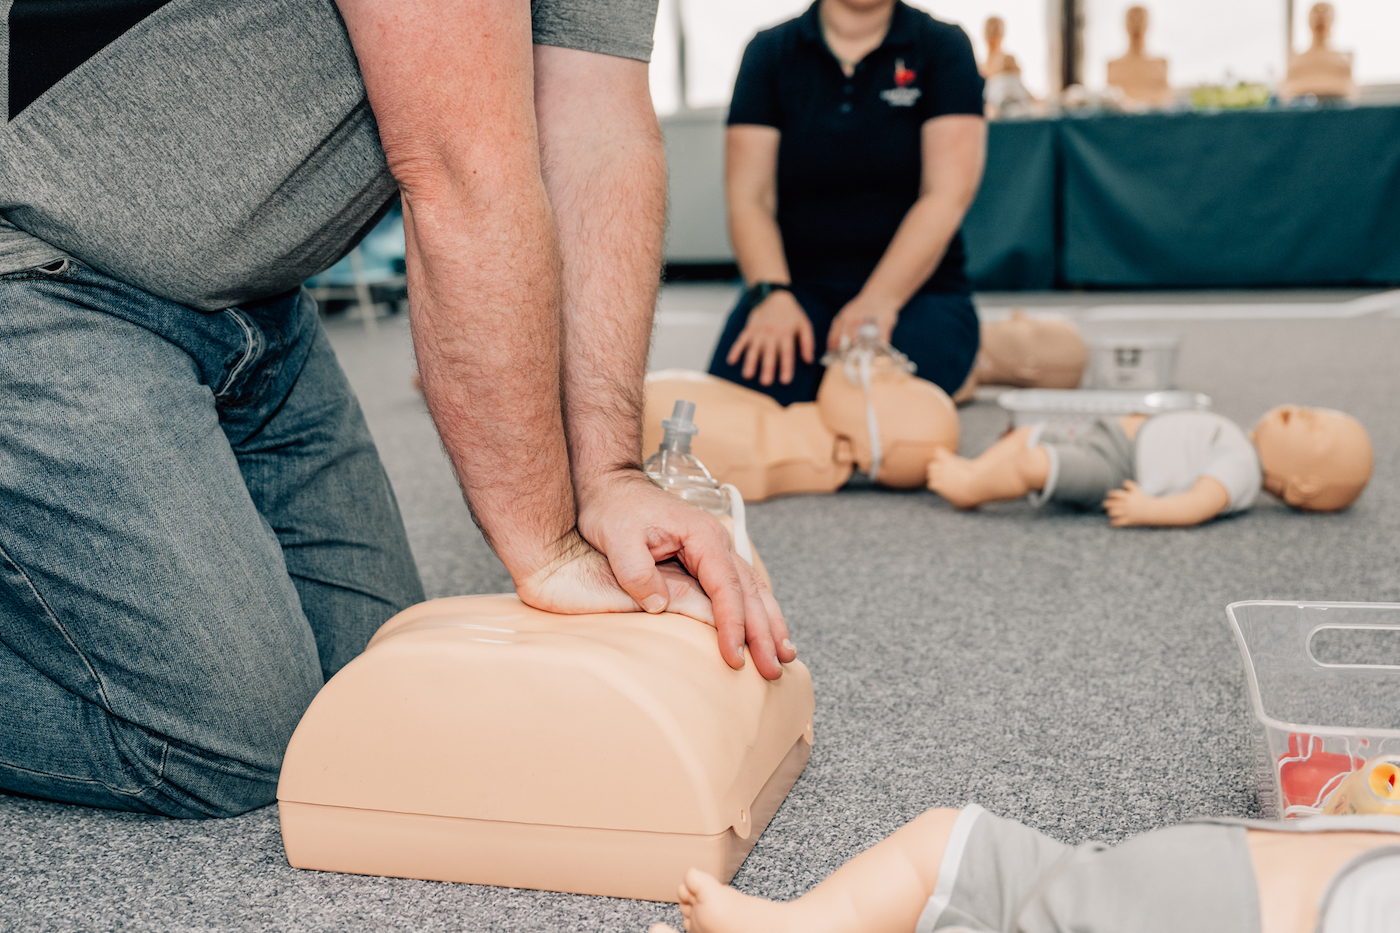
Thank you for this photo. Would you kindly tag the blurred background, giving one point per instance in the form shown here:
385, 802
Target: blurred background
1206, 42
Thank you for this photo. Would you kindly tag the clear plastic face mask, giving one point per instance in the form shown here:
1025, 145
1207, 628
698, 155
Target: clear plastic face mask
858, 362
675, 469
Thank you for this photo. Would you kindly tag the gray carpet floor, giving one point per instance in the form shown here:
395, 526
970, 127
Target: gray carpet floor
1055, 670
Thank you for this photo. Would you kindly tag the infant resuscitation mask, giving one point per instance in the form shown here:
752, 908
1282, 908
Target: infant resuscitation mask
675, 469
859, 360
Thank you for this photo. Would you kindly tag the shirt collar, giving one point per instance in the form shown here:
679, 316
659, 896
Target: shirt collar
901, 31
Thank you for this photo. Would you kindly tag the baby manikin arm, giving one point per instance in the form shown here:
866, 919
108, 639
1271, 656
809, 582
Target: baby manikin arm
1131, 506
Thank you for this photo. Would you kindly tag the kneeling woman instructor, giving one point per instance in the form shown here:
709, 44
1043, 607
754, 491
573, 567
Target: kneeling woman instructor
855, 145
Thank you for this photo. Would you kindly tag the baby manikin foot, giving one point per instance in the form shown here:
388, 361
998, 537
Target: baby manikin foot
711, 907
969, 483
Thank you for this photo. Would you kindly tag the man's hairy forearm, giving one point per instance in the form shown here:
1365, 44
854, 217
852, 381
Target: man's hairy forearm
604, 170
483, 274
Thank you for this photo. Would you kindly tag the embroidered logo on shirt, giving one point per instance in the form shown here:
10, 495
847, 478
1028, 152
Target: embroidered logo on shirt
902, 95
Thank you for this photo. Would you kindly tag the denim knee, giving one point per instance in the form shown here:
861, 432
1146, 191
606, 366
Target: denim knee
178, 779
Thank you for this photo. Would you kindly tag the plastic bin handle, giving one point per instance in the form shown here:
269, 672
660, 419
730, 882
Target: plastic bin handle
1356, 627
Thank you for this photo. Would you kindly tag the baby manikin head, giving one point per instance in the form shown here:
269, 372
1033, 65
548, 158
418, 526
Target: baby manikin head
1314, 459
913, 418
1031, 352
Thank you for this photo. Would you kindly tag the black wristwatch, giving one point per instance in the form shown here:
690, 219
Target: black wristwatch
759, 291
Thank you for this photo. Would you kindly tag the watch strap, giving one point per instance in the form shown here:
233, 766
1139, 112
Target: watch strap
759, 291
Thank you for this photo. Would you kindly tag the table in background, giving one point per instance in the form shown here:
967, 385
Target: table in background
1233, 199
1251, 199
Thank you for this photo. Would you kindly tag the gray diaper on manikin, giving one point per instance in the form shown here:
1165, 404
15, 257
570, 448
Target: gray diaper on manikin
1084, 466
998, 876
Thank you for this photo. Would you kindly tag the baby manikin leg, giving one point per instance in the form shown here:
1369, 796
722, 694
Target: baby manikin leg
1006, 470
882, 890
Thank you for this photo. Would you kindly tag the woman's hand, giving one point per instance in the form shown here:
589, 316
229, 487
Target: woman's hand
846, 325
777, 326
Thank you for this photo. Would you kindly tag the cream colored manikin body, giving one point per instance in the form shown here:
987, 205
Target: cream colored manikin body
766, 450
480, 740
1030, 353
1141, 78
1321, 70
748, 439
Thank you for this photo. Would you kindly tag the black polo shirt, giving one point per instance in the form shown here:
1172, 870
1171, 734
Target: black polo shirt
849, 163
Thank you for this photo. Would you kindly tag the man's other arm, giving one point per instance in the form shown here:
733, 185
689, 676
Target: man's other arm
451, 86
604, 171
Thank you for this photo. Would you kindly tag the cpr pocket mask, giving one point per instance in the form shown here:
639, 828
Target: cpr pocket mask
678, 471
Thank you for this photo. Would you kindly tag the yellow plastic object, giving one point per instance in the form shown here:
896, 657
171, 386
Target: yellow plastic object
483, 741
1372, 788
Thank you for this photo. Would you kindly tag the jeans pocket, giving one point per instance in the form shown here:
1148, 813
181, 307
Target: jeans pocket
57, 270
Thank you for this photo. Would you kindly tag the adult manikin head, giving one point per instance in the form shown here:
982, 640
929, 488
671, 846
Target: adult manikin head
1135, 21
1320, 70
1320, 19
911, 417
1141, 78
994, 30
1315, 459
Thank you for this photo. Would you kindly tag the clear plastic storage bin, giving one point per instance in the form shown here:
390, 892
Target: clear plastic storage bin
1146, 363
1072, 409
1324, 679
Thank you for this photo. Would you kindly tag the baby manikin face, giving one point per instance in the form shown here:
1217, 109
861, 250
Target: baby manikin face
1314, 459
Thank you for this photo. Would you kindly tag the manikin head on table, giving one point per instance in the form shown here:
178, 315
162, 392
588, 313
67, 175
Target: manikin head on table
1314, 459
1141, 77
1320, 70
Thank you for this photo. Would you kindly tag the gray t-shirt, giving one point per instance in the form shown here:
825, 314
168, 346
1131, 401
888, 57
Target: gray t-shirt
220, 151
1176, 448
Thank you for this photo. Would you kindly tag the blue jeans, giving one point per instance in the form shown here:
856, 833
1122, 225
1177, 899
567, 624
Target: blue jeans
937, 330
195, 531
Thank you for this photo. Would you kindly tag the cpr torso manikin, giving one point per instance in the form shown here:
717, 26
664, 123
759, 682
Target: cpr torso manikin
480, 740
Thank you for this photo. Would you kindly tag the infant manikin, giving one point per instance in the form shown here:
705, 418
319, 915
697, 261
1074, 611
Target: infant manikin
1177, 468
1025, 352
750, 441
969, 870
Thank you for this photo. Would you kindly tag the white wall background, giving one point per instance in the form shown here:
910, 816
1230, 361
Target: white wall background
1205, 40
